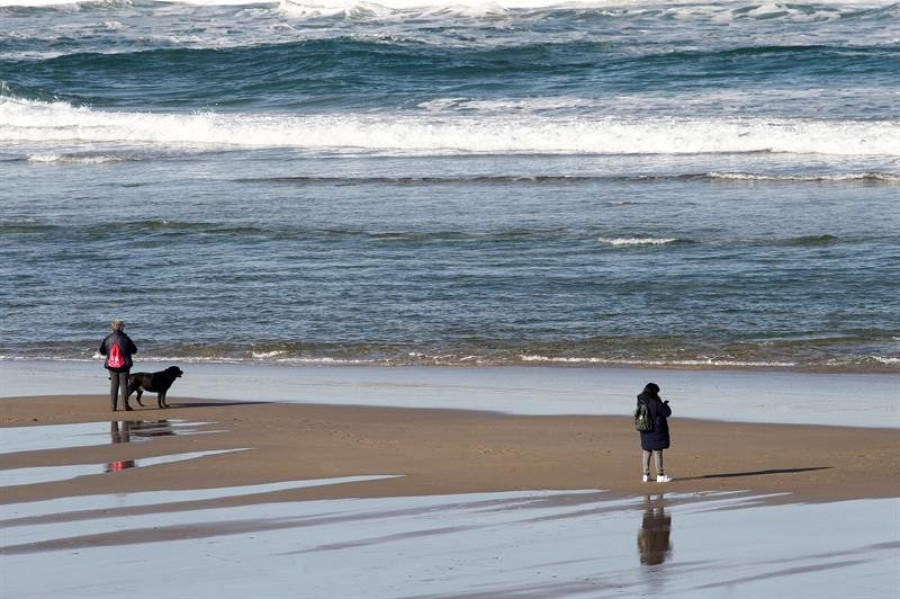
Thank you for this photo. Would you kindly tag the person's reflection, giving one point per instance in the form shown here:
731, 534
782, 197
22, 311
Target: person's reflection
653, 538
120, 432
119, 465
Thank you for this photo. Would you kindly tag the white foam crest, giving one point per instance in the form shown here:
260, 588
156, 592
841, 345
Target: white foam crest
725, 12
725, 363
327, 361
266, 354
473, 10
872, 176
307, 10
76, 4
635, 241
68, 4
34, 121
887, 360
47, 158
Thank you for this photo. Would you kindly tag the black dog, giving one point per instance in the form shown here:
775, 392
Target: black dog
154, 382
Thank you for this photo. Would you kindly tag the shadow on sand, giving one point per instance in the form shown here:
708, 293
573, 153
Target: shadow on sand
755, 473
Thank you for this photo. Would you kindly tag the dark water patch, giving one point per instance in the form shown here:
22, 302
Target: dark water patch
812, 241
353, 72
26, 228
753, 66
136, 230
426, 181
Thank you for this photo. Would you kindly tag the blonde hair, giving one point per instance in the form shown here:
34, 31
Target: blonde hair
118, 325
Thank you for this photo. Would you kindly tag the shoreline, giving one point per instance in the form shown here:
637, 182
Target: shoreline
880, 367
733, 396
440, 452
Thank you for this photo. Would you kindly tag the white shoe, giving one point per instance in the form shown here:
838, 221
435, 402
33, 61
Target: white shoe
646, 478
663, 478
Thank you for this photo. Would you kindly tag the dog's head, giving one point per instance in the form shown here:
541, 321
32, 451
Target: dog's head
174, 372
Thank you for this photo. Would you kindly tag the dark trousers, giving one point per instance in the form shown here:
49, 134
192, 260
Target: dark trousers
118, 387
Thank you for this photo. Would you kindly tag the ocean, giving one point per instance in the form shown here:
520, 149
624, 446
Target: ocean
640, 183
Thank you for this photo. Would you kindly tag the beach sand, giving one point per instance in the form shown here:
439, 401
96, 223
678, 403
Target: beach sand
444, 452
231, 499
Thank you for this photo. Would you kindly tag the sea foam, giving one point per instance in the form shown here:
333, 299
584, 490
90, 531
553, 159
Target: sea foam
635, 241
37, 121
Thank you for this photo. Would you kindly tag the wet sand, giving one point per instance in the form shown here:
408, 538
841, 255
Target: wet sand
436, 452
237, 499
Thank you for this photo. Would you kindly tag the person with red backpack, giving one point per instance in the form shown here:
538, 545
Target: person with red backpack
118, 348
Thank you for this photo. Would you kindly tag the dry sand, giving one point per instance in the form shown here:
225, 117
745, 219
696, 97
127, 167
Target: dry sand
445, 452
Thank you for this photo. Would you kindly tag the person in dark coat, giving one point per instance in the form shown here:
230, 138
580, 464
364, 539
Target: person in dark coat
118, 348
653, 442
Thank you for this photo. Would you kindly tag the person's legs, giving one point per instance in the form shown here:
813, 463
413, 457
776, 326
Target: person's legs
113, 388
123, 389
661, 476
645, 462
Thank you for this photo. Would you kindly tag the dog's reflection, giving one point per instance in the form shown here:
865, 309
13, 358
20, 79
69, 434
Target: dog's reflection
656, 527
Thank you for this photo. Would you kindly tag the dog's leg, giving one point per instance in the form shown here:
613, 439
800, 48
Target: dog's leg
162, 400
140, 391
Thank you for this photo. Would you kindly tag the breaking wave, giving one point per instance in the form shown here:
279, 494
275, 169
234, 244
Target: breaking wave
38, 121
635, 241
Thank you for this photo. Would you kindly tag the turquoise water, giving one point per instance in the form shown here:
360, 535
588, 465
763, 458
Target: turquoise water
636, 183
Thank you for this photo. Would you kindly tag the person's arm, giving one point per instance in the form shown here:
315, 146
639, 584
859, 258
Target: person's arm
131, 346
666, 410
103, 346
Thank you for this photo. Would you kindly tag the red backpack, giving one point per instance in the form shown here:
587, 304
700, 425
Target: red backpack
116, 357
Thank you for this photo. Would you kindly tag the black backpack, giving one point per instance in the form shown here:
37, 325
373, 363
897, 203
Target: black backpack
642, 420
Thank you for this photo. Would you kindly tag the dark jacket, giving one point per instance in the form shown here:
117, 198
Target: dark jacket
658, 438
125, 344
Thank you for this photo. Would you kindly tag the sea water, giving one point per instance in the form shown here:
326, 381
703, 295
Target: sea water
404, 182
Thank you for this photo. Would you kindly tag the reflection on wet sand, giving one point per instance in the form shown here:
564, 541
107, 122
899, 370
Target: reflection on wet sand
118, 466
653, 538
122, 432
70, 436
519, 544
